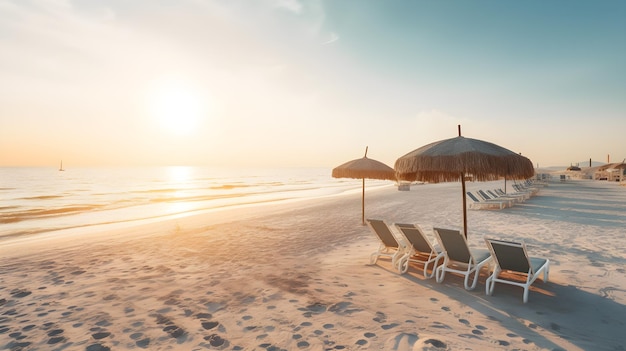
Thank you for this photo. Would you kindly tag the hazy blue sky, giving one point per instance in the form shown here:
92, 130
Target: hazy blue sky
307, 83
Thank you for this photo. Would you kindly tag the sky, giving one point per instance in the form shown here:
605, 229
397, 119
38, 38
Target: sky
294, 83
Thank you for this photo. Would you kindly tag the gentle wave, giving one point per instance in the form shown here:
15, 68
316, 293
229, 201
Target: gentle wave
44, 213
44, 197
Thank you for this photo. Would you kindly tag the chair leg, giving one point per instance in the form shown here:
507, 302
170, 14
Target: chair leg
467, 277
491, 281
396, 257
526, 289
426, 275
403, 264
440, 273
374, 257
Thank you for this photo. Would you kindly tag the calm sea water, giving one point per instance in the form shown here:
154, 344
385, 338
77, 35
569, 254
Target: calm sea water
41, 200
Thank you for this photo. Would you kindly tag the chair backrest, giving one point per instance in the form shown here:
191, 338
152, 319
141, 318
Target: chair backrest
473, 197
509, 255
500, 192
454, 243
416, 238
484, 195
383, 232
494, 195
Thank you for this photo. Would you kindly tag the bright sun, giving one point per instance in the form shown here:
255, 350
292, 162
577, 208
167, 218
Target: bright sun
177, 106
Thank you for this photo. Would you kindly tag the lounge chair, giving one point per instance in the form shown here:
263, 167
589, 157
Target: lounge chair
532, 191
479, 205
459, 258
389, 245
507, 201
418, 249
511, 257
521, 196
496, 195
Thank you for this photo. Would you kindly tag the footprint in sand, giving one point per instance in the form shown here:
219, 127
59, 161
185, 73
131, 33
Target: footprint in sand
19, 293
470, 336
97, 347
204, 316
380, 317
216, 340
389, 326
143, 343
436, 343
26, 328
209, 325
170, 328
103, 323
343, 308
303, 344
440, 325
316, 308
100, 335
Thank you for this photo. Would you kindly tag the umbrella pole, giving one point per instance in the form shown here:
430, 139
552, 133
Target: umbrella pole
363, 203
464, 205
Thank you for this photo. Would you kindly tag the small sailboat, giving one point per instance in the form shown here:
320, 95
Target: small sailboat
61, 167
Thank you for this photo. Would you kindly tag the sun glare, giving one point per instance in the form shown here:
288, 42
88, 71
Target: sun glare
177, 107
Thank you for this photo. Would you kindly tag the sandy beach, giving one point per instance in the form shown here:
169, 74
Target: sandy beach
296, 276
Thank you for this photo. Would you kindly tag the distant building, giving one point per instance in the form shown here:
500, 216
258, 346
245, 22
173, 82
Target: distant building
613, 172
573, 168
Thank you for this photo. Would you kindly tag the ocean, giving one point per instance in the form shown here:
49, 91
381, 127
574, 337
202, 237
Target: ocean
37, 200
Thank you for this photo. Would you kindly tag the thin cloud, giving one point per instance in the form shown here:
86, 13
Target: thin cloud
290, 5
333, 38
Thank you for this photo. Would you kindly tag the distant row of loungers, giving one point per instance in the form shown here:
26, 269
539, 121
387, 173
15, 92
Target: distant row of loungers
498, 199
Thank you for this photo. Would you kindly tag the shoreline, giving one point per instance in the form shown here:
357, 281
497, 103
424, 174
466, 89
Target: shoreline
122, 224
297, 278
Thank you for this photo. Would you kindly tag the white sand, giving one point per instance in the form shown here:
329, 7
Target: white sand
296, 277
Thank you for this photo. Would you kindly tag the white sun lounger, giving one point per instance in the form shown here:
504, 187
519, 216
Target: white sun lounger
459, 258
389, 245
511, 257
418, 249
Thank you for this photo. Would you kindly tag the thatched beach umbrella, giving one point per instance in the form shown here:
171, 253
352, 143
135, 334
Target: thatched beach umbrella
457, 158
362, 168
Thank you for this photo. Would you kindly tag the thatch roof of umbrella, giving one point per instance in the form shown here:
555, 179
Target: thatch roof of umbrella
456, 158
446, 160
363, 168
